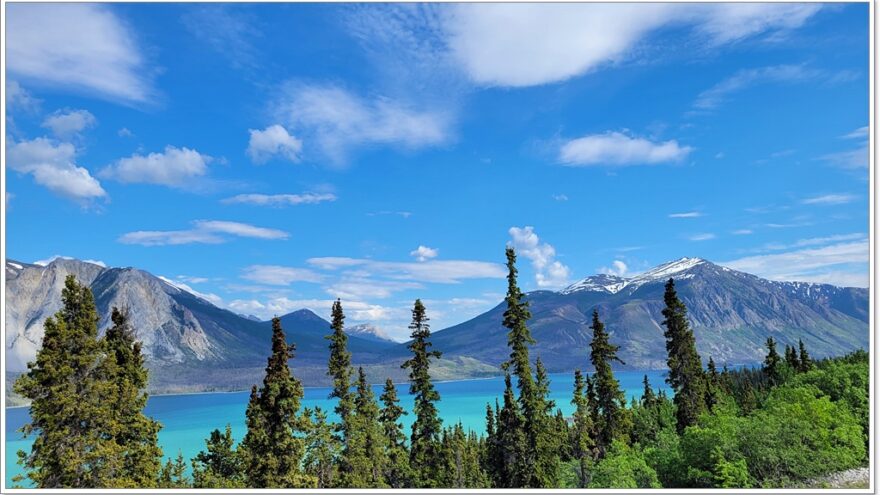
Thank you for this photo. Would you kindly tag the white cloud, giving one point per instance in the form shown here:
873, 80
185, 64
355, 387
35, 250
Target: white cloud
226, 31
280, 199
511, 45
860, 133
424, 253
66, 124
701, 237
76, 46
124, 132
53, 166
354, 310
618, 268
203, 232
716, 95
839, 264
814, 241
445, 271
618, 149
404, 214
549, 272
338, 121
855, 158
742, 232
175, 167
687, 214
273, 141
18, 98
210, 297
363, 288
59, 257
280, 275
560, 197
830, 199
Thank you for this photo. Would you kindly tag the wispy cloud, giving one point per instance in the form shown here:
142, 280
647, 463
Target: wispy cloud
830, 199
226, 29
280, 275
742, 232
619, 149
706, 236
203, 232
687, 214
854, 158
79, 46
549, 272
437, 271
843, 263
280, 199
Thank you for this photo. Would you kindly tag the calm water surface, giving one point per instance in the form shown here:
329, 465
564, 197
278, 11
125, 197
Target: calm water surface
188, 419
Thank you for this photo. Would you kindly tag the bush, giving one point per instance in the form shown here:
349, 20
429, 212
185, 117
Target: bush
624, 467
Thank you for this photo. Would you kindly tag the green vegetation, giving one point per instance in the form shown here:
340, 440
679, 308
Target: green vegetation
788, 423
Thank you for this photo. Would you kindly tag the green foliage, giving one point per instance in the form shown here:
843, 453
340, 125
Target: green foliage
727, 474
623, 467
582, 434
613, 421
274, 445
664, 456
339, 367
426, 429
220, 465
511, 442
397, 472
322, 449
86, 403
460, 460
772, 363
173, 474
805, 362
685, 369
366, 455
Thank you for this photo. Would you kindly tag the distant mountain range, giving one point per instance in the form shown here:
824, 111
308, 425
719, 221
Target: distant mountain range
192, 345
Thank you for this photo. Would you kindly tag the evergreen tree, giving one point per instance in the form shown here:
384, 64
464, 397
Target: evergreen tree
582, 432
173, 474
397, 473
713, 384
772, 363
648, 397
791, 358
492, 458
460, 454
274, 444
86, 405
220, 465
426, 429
512, 443
322, 449
805, 362
685, 369
339, 367
610, 398
367, 449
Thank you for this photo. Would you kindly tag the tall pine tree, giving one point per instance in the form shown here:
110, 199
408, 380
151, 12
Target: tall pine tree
367, 449
512, 443
805, 362
772, 363
220, 465
582, 433
685, 369
322, 449
397, 473
274, 445
610, 398
427, 427
339, 367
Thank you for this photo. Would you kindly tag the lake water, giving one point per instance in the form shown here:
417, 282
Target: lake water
188, 419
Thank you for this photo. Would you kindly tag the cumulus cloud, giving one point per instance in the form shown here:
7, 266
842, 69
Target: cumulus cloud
273, 141
80, 46
619, 149
424, 253
843, 263
509, 45
175, 167
618, 268
830, 199
549, 272
445, 271
203, 232
66, 124
52, 165
338, 121
280, 199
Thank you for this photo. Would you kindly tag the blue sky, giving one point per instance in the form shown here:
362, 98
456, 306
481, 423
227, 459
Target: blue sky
273, 157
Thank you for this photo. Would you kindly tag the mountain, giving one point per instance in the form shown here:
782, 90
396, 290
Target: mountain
189, 344
367, 331
732, 314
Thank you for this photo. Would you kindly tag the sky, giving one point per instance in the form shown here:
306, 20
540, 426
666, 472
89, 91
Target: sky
272, 157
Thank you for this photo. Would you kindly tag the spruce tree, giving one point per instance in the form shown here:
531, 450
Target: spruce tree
648, 397
124, 398
805, 362
173, 474
397, 473
339, 367
74, 386
274, 444
322, 448
685, 369
772, 363
713, 384
220, 465
512, 443
791, 358
582, 437
610, 398
367, 449
426, 429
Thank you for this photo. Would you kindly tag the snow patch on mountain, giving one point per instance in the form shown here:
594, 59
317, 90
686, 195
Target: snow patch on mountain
613, 284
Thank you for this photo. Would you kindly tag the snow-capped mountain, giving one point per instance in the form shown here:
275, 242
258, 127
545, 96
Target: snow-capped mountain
732, 314
369, 332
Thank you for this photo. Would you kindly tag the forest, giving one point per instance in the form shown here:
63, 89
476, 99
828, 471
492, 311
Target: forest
788, 421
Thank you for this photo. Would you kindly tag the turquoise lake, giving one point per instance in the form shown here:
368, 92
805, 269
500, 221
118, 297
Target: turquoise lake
188, 419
